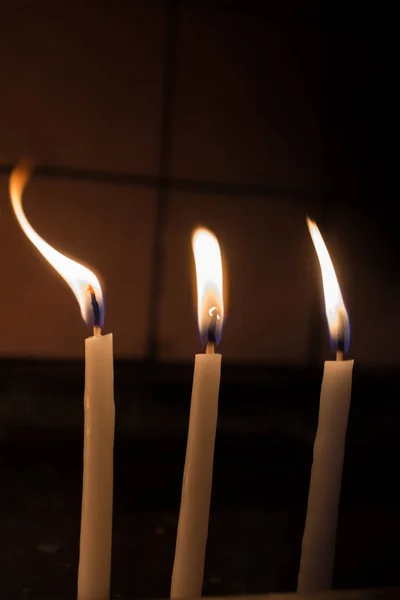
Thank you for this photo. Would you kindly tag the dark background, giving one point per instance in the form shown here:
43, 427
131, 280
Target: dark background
146, 120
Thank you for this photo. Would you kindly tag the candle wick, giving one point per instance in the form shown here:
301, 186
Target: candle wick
340, 348
210, 348
212, 330
339, 355
96, 309
340, 341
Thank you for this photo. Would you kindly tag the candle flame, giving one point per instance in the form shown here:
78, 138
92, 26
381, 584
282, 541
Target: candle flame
210, 305
336, 313
79, 278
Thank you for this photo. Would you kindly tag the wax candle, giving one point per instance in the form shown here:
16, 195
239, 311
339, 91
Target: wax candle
97, 494
318, 547
188, 570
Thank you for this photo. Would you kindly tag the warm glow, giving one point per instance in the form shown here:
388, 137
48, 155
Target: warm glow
76, 275
207, 257
336, 312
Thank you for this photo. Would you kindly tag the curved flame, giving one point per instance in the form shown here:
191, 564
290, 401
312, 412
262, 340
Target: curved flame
210, 305
336, 313
76, 275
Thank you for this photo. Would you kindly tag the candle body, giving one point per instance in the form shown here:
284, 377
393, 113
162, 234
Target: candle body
97, 493
318, 547
188, 570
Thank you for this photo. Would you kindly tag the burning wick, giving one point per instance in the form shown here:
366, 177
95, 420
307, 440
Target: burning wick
212, 327
96, 312
340, 345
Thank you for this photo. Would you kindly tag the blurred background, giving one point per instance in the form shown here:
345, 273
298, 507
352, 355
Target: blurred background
145, 120
148, 120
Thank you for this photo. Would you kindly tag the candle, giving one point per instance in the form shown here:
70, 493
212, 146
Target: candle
97, 495
188, 570
318, 547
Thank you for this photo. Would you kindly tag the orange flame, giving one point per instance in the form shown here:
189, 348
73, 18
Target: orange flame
336, 313
76, 275
210, 305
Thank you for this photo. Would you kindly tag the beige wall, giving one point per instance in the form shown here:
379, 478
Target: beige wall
84, 90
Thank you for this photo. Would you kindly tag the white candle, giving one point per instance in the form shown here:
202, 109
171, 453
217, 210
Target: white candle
97, 494
319, 539
191, 541
96, 523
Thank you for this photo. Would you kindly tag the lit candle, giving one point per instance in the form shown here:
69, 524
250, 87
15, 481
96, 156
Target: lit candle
188, 571
97, 494
318, 547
